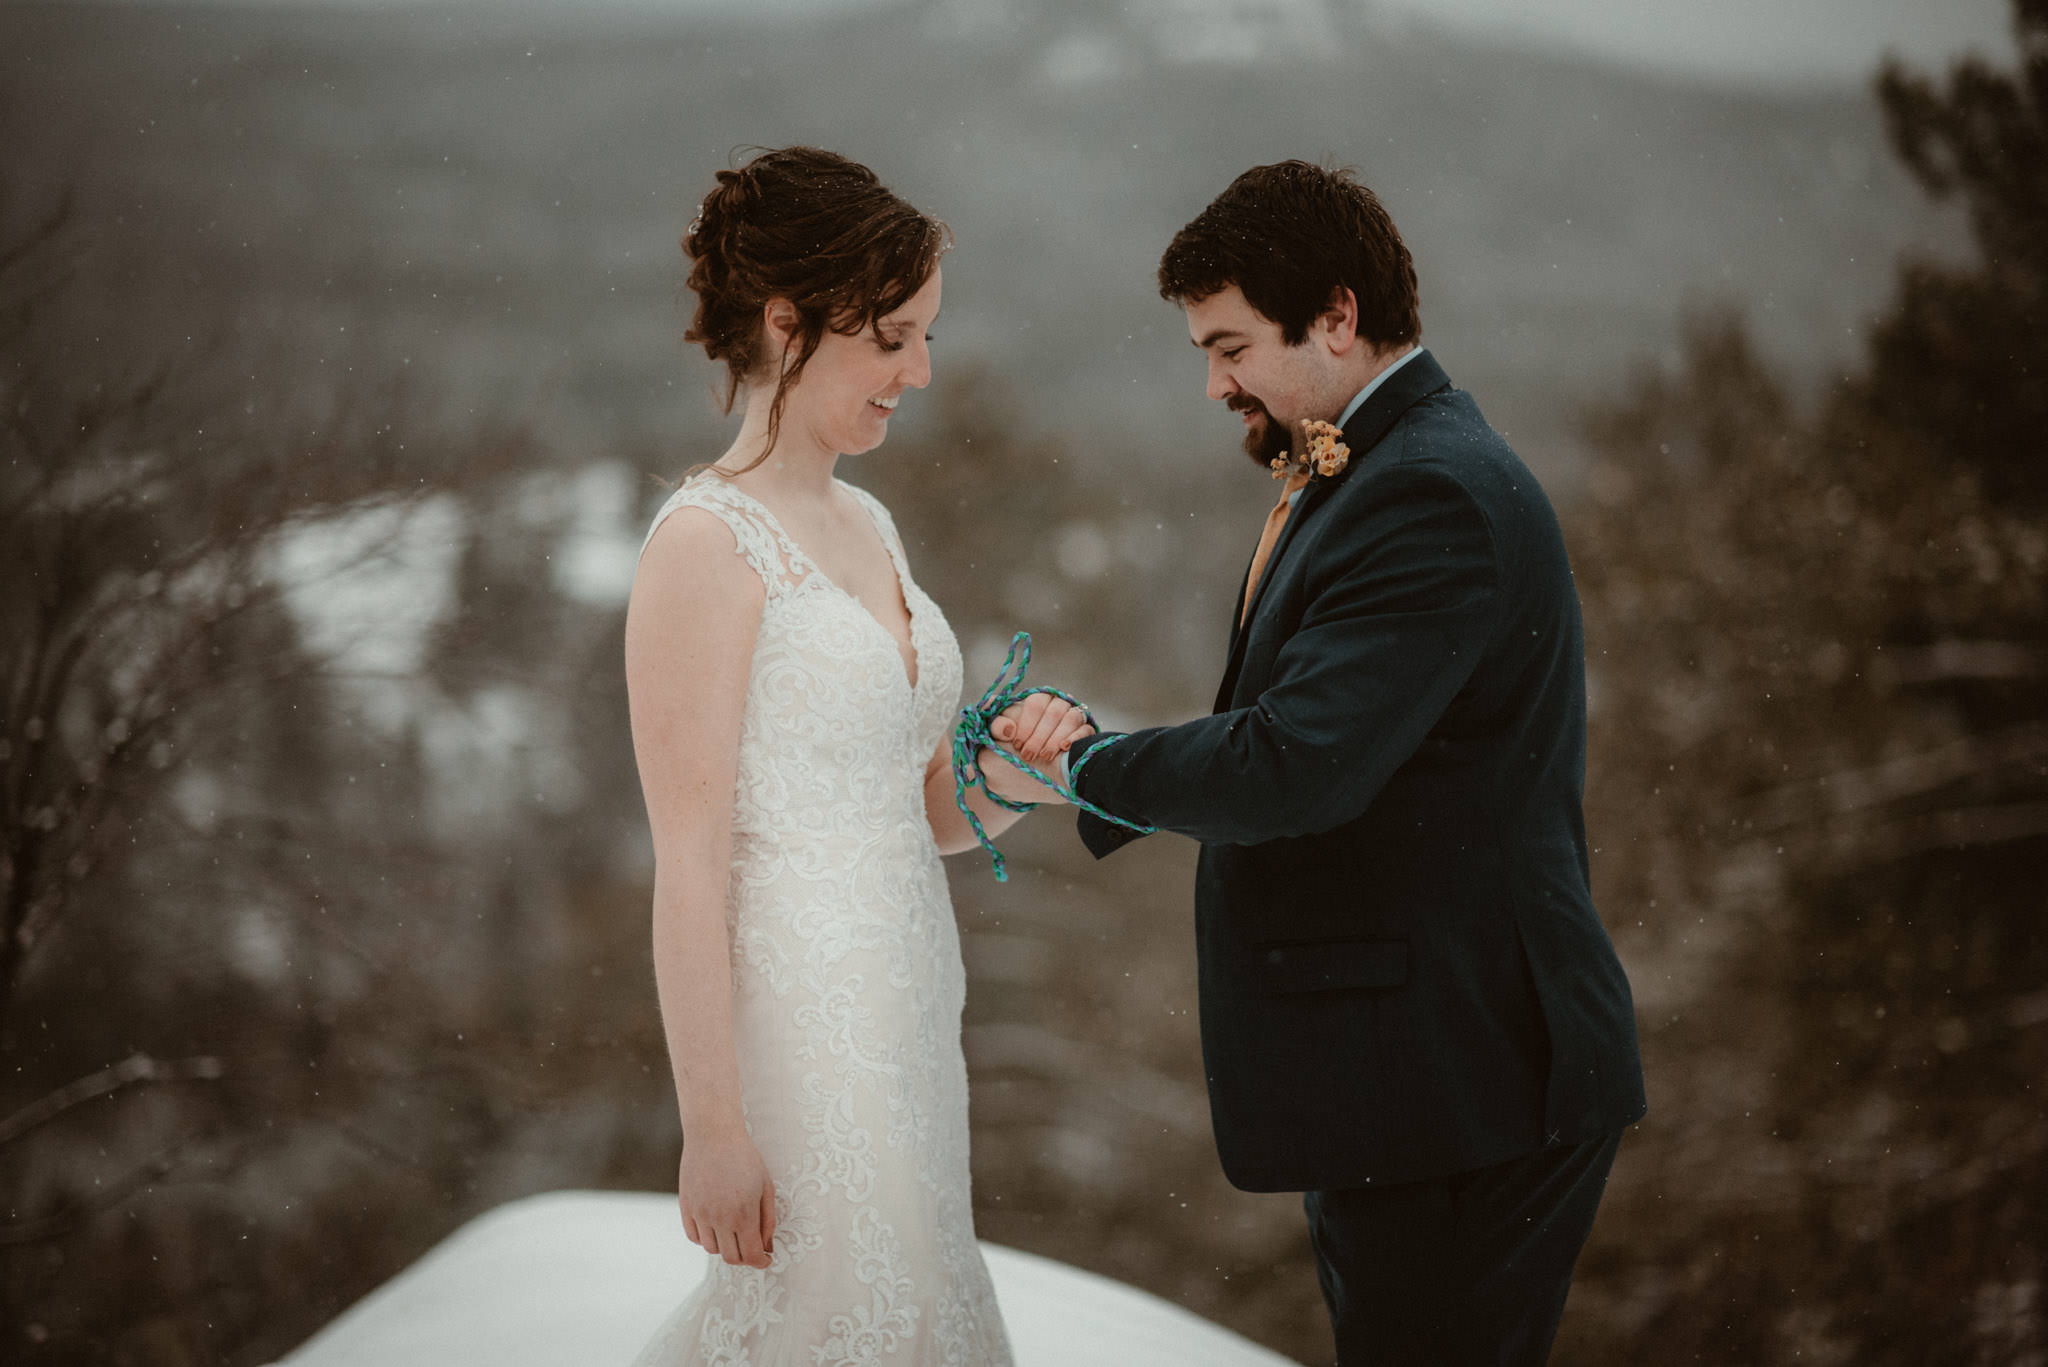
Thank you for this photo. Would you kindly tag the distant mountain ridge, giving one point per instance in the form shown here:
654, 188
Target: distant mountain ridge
499, 201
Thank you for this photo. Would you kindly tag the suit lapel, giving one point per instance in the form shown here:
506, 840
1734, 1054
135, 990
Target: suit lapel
1375, 417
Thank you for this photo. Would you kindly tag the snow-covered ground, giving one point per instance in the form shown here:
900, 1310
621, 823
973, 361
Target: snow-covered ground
582, 1278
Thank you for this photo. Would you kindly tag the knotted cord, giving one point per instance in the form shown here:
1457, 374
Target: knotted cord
973, 735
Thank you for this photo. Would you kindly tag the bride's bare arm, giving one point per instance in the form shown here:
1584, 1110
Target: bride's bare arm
950, 831
690, 630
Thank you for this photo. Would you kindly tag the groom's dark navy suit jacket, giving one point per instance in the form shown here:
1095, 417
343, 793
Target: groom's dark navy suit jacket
1402, 974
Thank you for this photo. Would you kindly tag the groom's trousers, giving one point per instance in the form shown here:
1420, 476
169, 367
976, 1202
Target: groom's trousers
1458, 1271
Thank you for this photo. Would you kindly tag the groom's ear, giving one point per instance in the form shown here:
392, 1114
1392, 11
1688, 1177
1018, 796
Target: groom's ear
1337, 324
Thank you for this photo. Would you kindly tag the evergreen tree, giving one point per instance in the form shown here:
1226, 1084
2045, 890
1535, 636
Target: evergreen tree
1821, 781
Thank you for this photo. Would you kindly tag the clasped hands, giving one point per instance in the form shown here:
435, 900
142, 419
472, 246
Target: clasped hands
1037, 729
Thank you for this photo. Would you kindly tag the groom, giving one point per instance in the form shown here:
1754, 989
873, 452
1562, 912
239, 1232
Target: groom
1410, 1011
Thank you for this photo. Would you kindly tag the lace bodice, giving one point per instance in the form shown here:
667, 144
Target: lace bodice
848, 985
835, 736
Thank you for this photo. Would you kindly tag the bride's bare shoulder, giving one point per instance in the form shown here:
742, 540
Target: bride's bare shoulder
691, 564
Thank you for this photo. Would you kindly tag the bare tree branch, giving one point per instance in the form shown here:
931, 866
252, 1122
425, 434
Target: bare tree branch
1897, 780
1949, 660
106, 1196
136, 1068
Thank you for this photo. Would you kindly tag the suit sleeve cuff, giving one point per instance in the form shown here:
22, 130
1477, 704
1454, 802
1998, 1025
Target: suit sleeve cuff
1070, 768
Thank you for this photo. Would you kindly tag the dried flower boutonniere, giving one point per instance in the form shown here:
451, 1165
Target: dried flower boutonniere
1323, 453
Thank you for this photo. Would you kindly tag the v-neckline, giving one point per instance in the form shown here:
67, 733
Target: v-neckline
912, 669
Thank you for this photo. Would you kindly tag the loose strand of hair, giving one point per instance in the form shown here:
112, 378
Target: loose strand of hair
784, 381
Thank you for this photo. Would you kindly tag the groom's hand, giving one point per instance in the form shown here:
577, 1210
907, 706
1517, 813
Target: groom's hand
1039, 728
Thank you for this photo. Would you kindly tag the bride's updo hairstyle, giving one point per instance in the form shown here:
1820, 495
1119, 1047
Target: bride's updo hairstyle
816, 229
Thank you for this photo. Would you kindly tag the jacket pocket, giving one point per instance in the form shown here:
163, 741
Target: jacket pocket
1332, 965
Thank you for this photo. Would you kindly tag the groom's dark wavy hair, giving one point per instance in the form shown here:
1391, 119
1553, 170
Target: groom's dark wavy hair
1289, 235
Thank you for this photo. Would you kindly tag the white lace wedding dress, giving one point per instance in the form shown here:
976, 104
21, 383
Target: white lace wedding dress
847, 987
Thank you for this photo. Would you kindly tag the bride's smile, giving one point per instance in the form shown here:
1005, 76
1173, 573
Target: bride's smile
849, 389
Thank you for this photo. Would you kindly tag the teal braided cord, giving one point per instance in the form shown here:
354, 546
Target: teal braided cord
973, 735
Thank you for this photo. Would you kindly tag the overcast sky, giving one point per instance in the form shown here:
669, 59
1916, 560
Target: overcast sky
1771, 40
1776, 42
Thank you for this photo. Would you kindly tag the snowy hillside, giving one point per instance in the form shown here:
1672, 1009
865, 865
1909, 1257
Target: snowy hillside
582, 1279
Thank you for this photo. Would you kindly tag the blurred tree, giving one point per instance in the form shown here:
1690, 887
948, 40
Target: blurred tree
172, 757
137, 603
1921, 960
1959, 368
1821, 783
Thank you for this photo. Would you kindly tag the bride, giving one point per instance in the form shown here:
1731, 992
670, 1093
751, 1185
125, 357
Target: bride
792, 692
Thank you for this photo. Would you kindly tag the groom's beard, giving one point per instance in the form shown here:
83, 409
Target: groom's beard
1265, 441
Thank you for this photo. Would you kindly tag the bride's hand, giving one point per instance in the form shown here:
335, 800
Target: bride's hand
1037, 730
1040, 727
727, 1198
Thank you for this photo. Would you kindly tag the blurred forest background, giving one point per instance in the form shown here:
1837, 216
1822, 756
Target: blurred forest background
339, 372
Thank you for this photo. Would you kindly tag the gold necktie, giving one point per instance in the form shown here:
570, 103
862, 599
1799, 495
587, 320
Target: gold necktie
1274, 521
